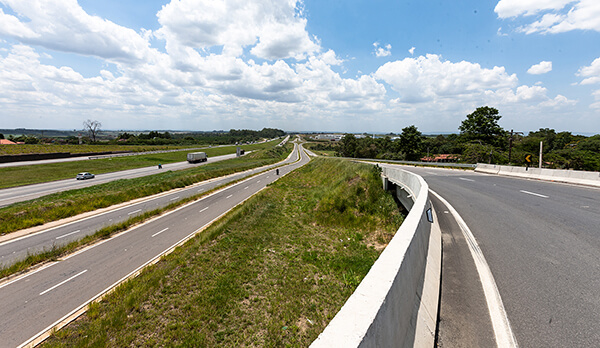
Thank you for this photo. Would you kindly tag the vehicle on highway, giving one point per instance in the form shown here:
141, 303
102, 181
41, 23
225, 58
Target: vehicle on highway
84, 175
196, 157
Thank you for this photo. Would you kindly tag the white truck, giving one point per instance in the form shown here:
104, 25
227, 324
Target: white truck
196, 157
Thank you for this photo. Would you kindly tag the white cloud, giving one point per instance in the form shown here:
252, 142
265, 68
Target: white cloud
63, 25
514, 8
541, 68
552, 16
426, 78
591, 73
231, 62
382, 51
274, 28
412, 50
596, 95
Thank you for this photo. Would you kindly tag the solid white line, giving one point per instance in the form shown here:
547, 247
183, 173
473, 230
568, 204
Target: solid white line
159, 232
64, 281
229, 196
465, 179
502, 330
172, 199
135, 211
533, 193
68, 234
203, 210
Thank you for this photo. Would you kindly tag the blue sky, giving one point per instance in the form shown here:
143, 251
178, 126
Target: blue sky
350, 66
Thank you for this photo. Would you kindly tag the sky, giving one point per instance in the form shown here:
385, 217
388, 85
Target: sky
372, 66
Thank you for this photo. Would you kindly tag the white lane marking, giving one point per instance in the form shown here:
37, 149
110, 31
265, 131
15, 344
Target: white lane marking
203, 210
430, 173
267, 176
465, 179
68, 234
159, 232
229, 196
64, 281
135, 211
172, 199
258, 181
245, 188
533, 194
200, 190
27, 275
502, 330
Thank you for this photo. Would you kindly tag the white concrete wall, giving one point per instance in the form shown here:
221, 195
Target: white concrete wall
561, 175
396, 303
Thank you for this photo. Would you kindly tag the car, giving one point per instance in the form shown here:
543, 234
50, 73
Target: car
85, 175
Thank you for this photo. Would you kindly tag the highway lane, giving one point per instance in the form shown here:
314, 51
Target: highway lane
24, 193
19, 248
36, 302
542, 243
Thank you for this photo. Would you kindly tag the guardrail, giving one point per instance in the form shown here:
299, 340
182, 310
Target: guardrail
396, 303
560, 175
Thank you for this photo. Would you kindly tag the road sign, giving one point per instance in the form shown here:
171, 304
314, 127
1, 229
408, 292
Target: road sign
528, 158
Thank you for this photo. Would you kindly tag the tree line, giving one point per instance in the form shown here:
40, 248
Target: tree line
480, 139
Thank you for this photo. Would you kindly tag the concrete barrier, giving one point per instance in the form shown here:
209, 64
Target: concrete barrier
396, 303
560, 175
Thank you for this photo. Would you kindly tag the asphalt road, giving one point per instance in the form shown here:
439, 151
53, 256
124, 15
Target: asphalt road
16, 249
33, 303
542, 243
28, 192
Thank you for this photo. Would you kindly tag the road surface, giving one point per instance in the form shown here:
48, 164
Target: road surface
36, 302
542, 243
28, 192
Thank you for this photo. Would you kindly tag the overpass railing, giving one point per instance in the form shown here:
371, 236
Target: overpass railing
396, 303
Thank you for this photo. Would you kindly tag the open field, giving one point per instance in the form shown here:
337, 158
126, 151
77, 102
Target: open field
25, 175
273, 272
70, 203
51, 148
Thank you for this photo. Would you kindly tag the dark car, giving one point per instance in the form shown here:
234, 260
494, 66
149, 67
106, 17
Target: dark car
83, 176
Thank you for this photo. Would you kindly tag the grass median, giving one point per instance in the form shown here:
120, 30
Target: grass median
73, 202
34, 174
273, 272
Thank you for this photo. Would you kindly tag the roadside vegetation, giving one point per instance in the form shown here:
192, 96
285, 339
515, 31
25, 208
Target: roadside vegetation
95, 139
34, 174
73, 202
83, 149
480, 140
258, 159
273, 272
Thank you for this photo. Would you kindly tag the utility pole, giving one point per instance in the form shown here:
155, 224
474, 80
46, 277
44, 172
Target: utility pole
540, 164
510, 140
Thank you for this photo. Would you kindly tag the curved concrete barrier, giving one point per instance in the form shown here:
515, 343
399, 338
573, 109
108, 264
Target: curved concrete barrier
561, 175
396, 303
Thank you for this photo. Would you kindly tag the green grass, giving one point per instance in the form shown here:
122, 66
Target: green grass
53, 148
272, 273
25, 175
70, 203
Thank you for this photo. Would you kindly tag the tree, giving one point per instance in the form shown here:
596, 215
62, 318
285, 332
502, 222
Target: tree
348, 146
92, 127
482, 124
411, 142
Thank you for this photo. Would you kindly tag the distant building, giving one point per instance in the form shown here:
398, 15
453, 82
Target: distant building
330, 137
441, 158
7, 142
